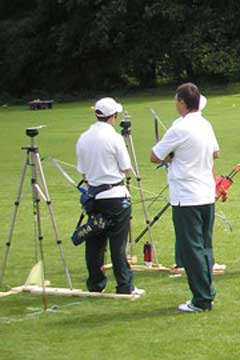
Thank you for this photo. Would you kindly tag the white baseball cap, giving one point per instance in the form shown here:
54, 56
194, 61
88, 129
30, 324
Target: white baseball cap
202, 102
107, 106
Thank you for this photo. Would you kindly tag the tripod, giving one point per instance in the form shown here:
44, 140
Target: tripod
32, 159
126, 133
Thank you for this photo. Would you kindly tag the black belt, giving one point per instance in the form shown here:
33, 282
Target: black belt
112, 185
94, 190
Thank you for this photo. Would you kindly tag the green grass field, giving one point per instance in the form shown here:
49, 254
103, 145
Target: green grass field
86, 329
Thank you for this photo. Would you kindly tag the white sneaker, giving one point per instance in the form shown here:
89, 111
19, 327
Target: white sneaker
217, 267
189, 307
139, 292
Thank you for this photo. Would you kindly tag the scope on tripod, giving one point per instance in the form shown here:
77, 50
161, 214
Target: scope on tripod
34, 131
125, 124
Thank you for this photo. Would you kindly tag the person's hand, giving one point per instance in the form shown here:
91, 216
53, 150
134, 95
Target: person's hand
224, 194
169, 158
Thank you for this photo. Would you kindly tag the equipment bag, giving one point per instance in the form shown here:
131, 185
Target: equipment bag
95, 226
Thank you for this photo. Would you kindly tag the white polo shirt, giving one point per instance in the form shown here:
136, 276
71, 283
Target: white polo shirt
102, 156
190, 177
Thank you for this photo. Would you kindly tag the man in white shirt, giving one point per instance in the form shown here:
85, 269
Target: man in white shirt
103, 160
192, 192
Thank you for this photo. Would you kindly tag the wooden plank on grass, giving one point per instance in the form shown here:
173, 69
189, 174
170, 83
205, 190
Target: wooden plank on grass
150, 269
37, 290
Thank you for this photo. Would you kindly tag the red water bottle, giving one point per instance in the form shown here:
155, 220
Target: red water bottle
148, 254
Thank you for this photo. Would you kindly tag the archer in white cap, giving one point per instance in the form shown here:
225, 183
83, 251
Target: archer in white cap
192, 142
103, 160
106, 107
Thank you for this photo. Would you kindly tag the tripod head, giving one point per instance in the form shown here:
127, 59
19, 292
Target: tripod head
125, 124
34, 131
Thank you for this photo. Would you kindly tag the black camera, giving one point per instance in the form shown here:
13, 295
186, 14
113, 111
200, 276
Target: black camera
125, 124
34, 131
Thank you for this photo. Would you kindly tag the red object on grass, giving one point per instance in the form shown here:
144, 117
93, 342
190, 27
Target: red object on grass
224, 182
148, 252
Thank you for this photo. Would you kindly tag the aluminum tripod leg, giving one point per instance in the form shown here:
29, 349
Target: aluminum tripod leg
16, 206
38, 228
129, 143
45, 195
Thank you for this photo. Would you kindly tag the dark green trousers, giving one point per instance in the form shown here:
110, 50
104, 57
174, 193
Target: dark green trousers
119, 211
193, 229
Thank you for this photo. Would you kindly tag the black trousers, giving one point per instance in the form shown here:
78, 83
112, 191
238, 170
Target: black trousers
193, 229
118, 210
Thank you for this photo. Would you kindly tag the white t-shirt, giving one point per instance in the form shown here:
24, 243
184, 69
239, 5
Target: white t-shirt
102, 157
190, 177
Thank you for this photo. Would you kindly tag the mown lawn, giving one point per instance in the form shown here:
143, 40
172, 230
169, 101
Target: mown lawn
148, 328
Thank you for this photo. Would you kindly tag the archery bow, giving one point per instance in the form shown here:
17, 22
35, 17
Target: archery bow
224, 182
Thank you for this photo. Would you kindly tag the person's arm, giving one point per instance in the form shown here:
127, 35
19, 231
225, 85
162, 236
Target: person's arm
156, 160
163, 151
126, 172
122, 156
216, 154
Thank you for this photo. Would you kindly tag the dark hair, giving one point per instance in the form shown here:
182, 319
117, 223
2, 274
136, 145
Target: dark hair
190, 94
102, 118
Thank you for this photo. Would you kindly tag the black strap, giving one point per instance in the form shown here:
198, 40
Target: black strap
94, 190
